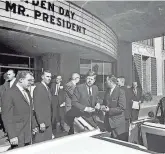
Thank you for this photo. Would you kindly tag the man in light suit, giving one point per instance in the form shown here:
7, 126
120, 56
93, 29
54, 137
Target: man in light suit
114, 105
58, 103
69, 89
85, 99
43, 108
17, 112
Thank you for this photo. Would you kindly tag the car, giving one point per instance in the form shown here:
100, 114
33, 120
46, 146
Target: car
90, 142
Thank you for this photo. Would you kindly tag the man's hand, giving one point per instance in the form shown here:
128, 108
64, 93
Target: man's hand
63, 104
14, 141
98, 106
34, 131
105, 108
42, 127
89, 109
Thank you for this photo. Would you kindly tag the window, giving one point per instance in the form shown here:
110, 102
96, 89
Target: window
149, 42
102, 69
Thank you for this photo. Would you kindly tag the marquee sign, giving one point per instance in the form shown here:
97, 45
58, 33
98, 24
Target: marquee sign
60, 19
52, 19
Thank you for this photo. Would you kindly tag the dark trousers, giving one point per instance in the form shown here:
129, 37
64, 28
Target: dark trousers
43, 136
123, 137
127, 121
1, 123
58, 113
18, 146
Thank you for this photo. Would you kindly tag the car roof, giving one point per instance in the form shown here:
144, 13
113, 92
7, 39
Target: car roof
83, 143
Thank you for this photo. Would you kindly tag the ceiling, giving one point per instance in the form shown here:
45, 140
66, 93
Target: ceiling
36, 45
131, 20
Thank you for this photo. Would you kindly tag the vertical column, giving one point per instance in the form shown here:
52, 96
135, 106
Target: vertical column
137, 69
124, 62
159, 67
70, 63
51, 61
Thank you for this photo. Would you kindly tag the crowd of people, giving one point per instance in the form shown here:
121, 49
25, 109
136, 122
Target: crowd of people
31, 111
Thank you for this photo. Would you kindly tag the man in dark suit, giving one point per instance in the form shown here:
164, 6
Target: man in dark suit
128, 110
43, 108
114, 105
69, 89
10, 81
17, 113
85, 99
58, 103
136, 96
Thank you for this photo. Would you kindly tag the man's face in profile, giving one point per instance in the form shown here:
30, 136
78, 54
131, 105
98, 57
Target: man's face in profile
10, 75
58, 79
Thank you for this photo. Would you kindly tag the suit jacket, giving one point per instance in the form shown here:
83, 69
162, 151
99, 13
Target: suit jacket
60, 93
115, 118
17, 115
128, 96
81, 99
69, 89
42, 104
4, 88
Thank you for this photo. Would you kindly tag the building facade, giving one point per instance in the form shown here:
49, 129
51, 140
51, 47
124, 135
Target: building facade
148, 65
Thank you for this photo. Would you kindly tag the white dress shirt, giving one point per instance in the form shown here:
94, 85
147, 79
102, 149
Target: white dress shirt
57, 89
12, 82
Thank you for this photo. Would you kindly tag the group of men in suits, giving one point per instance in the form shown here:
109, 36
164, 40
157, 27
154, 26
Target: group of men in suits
132, 94
30, 112
86, 103
27, 115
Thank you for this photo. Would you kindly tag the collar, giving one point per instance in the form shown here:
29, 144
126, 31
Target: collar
19, 87
73, 82
113, 88
12, 81
45, 85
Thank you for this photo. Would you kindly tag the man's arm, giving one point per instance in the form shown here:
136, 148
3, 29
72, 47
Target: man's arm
76, 100
121, 105
7, 115
38, 104
69, 90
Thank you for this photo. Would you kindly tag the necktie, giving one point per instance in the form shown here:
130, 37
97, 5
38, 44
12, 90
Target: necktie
26, 96
90, 95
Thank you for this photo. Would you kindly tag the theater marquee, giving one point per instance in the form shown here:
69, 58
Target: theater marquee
61, 19
46, 17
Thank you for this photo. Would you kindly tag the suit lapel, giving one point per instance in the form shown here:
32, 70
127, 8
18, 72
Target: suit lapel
113, 93
22, 96
47, 91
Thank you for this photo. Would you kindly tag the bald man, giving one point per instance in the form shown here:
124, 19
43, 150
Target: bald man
69, 89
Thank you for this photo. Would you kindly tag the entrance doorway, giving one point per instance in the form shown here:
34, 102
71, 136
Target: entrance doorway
15, 62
